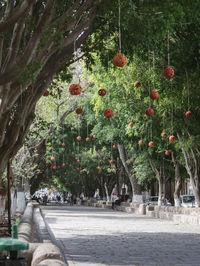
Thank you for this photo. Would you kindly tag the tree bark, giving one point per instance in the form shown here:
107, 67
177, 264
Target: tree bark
178, 181
136, 188
192, 163
159, 177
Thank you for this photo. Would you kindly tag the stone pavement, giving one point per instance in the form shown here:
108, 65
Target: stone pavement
93, 237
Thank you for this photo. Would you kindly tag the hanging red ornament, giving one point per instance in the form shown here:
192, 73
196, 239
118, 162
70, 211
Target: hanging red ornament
114, 146
137, 84
112, 161
99, 172
149, 112
102, 92
58, 166
87, 139
167, 153
75, 89
188, 114
163, 135
130, 124
54, 167
63, 165
78, 161
52, 158
119, 60
132, 160
108, 113
79, 138
151, 144
154, 95
63, 144
94, 136
168, 72
172, 139
140, 142
46, 93
79, 111
77, 169
98, 167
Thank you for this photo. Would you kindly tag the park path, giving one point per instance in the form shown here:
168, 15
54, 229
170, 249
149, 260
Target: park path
93, 237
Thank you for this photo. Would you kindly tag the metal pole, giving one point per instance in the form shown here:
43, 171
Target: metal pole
9, 202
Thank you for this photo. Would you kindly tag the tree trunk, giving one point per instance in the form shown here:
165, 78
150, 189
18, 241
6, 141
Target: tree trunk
2, 206
178, 182
107, 194
136, 188
159, 177
192, 162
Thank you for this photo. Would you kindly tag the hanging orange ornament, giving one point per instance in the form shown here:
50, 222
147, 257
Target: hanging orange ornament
114, 146
102, 92
188, 114
46, 93
151, 144
63, 144
168, 72
52, 158
163, 135
75, 89
149, 112
108, 113
132, 160
94, 136
79, 111
119, 60
140, 142
137, 84
167, 153
87, 139
172, 139
112, 161
154, 95
79, 138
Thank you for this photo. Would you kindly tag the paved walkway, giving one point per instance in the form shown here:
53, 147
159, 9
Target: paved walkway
94, 237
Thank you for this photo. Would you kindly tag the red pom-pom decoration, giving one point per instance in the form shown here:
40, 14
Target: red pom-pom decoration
172, 139
94, 136
132, 160
79, 138
108, 113
114, 146
63, 144
52, 158
188, 114
140, 142
46, 93
102, 92
87, 139
130, 124
163, 135
111, 161
149, 112
154, 95
54, 167
168, 72
137, 84
79, 111
63, 165
151, 144
167, 153
119, 60
75, 89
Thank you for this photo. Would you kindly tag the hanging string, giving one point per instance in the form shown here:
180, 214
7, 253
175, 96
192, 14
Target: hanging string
148, 79
151, 128
188, 92
119, 24
153, 70
168, 53
87, 128
172, 116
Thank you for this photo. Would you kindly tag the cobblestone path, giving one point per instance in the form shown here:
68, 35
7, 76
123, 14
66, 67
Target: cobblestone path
94, 237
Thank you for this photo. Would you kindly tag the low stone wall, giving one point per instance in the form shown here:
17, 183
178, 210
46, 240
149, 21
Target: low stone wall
39, 254
176, 214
